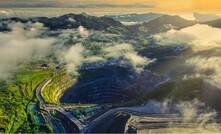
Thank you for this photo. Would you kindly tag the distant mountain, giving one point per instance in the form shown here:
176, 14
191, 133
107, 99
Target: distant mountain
135, 17
161, 24
205, 17
70, 21
214, 23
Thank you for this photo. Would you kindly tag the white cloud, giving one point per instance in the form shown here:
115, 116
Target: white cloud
74, 33
21, 45
73, 58
207, 37
127, 51
174, 37
72, 20
206, 67
199, 37
83, 31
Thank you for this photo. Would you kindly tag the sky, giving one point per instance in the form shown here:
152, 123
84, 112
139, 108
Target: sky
49, 8
151, 5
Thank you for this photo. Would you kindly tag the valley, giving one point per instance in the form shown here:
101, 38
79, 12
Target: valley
78, 73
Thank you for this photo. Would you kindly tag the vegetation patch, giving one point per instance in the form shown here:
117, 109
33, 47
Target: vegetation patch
15, 96
28, 80
55, 89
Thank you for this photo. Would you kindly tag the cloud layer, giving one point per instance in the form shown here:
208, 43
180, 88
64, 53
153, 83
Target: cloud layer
206, 67
21, 45
73, 58
198, 37
127, 51
205, 43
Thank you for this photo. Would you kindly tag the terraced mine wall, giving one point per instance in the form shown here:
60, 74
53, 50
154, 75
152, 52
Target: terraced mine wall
110, 84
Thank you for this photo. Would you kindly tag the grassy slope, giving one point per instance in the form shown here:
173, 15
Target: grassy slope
28, 80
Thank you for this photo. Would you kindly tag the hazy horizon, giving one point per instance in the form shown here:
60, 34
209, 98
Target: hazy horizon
175, 6
53, 12
48, 8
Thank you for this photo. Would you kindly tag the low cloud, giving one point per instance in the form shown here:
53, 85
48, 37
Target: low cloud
174, 37
198, 37
194, 115
74, 33
72, 20
73, 58
127, 51
205, 67
205, 43
83, 31
21, 45
25, 42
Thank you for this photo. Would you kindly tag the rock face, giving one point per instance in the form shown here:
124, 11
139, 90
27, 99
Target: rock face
211, 95
110, 84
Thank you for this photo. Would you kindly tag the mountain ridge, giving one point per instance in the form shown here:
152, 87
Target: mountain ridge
214, 23
161, 24
146, 17
73, 21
